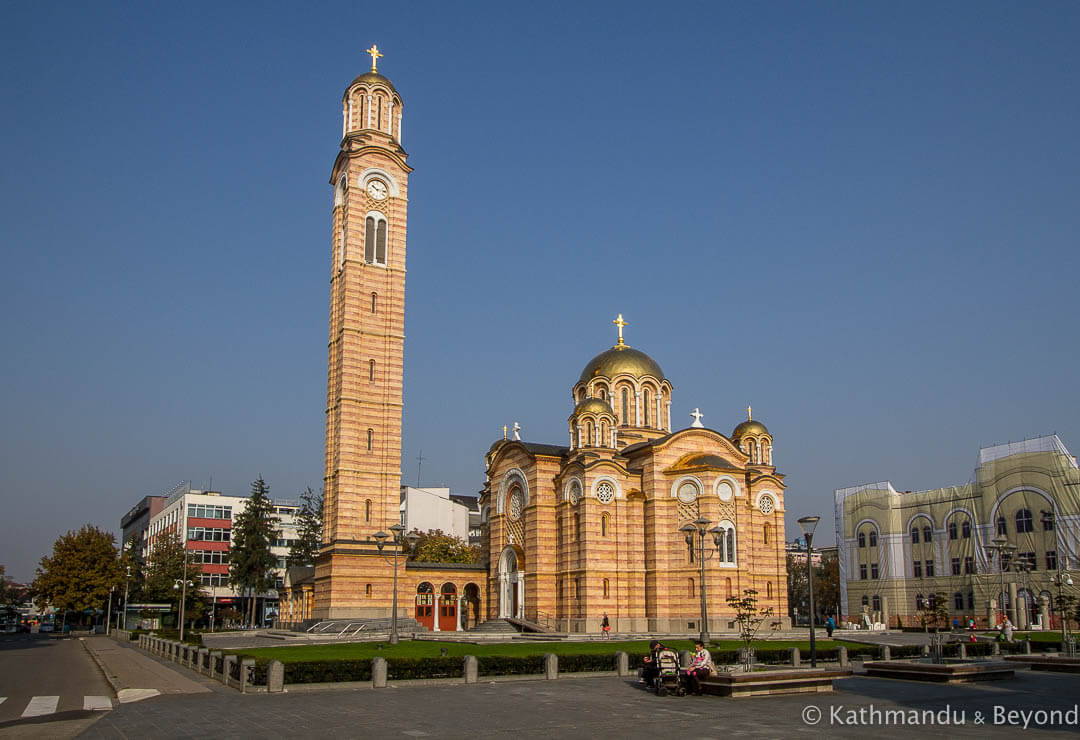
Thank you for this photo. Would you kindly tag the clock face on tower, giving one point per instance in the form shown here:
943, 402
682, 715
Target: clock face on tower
377, 189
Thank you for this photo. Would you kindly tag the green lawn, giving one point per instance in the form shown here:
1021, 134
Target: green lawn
432, 649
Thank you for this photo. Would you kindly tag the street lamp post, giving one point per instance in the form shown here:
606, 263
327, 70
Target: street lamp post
808, 524
700, 528
127, 579
181, 584
397, 539
108, 609
1061, 580
1001, 547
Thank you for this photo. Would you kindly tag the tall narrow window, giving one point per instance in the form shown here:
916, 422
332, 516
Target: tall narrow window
625, 407
765, 534
1023, 521
370, 439
862, 539
965, 530
645, 409
768, 590
873, 539
378, 121
367, 510
731, 545
603, 526
367, 590
690, 587
341, 251
380, 244
369, 240
1002, 526
753, 451
371, 371
588, 434
374, 298
606, 592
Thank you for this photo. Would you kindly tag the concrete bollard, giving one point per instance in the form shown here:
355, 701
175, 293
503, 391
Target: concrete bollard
378, 673
1027, 646
275, 677
247, 672
963, 651
843, 657
926, 651
997, 648
214, 655
622, 663
201, 659
795, 657
551, 666
230, 661
886, 653
471, 670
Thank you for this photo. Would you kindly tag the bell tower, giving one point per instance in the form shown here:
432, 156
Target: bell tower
366, 350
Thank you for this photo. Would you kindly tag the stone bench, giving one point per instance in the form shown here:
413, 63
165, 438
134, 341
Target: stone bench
1047, 663
940, 672
770, 682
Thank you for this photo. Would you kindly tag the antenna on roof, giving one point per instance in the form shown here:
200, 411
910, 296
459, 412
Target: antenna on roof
419, 463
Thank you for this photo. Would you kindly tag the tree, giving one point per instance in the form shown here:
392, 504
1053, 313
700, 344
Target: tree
798, 588
749, 617
827, 586
131, 558
308, 530
80, 572
934, 611
169, 562
435, 546
10, 596
251, 562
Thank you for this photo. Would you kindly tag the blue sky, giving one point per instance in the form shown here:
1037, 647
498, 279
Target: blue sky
859, 217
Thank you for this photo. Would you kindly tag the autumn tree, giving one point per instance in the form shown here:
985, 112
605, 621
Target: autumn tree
308, 529
252, 564
10, 597
79, 573
435, 546
749, 617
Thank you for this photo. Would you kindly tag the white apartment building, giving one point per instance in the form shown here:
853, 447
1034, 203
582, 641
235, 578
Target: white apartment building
424, 509
203, 521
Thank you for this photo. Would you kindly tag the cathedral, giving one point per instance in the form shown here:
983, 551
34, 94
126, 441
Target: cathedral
599, 526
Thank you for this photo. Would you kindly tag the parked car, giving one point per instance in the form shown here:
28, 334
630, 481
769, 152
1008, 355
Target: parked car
47, 627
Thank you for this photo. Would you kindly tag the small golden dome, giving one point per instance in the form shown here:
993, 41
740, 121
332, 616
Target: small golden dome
618, 360
374, 78
594, 406
748, 427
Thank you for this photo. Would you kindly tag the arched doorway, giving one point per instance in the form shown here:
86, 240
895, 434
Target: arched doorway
425, 605
448, 608
470, 604
511, 585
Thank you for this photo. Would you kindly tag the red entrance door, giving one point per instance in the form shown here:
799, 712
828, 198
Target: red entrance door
425, 605
448, 608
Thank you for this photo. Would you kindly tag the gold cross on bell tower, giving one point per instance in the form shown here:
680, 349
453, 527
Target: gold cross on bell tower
620, 323
375, 54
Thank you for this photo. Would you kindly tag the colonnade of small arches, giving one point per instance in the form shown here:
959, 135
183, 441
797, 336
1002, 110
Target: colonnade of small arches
634, 402
372, 107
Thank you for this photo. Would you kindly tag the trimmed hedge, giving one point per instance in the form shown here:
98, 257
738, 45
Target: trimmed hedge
587, 662
407, 668
501, 665
320, 671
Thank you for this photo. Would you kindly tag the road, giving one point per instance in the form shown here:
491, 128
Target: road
44, 681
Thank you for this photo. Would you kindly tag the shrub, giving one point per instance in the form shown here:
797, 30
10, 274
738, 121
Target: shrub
410, 668
321, 671
587, 662
501, 665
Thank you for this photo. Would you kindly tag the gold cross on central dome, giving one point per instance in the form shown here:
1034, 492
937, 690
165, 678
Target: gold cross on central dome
620, 323
749, 414
375, 54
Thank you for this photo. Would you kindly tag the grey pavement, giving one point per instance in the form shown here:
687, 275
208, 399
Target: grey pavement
594, 708
127, 667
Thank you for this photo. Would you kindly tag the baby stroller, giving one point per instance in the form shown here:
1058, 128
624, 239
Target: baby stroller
667, 663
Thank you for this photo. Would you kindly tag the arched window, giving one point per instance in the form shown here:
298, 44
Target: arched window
603, 434
731, 545
589, 441
965, 529
601, 391
765, 534
931, 601
370, 439
914, 535
873, 538
374, 298
958, 601
768, 589
371, 371
367, 590
375, 239
605, 588
1023, 521
953, 534
866, 601
766, 453
645, 408
919, 602
862, 539
753, 451
367, 510
690, 587
625, 407
877, 603
971, 600
1002, 525
927, 534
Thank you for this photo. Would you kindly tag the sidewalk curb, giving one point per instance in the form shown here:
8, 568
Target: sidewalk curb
109, 678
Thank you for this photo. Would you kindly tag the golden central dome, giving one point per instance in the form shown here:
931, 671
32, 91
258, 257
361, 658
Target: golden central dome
621, 359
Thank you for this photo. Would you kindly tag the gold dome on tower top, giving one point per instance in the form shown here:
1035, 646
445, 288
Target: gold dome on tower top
621, 359
594, 406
